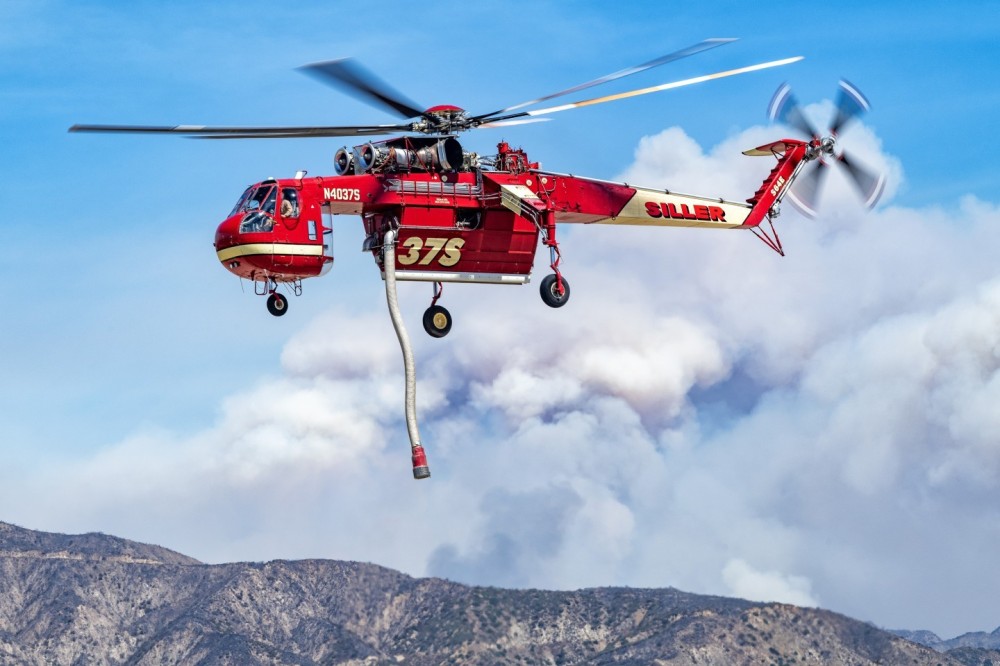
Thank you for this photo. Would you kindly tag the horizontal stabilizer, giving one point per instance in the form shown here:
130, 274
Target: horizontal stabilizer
768, 149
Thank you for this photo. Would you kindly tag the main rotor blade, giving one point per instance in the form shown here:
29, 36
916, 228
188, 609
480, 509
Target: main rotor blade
850, 104
785, 109
207, 132
662, 60
870, 184
359, 82
510, 123
661, 87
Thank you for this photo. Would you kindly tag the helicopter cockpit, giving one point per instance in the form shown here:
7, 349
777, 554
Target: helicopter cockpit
258, 204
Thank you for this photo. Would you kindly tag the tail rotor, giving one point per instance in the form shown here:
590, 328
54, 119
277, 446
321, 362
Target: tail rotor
805, 192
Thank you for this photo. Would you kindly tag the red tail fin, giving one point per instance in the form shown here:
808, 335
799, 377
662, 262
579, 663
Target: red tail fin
790, 154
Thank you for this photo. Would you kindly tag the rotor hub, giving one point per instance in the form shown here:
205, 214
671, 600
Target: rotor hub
819, 148
444, 118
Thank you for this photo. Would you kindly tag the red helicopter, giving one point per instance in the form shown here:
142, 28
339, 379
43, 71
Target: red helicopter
435, 212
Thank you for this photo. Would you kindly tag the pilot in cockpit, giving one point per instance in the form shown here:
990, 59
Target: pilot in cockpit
289, 203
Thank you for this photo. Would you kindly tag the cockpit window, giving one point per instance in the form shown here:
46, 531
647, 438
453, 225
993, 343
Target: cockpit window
242, 200
259, 207
259, 197
269, 200
289, 202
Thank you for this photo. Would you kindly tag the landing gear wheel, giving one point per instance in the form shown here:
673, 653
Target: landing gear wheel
550, 291
437, 321
277, 304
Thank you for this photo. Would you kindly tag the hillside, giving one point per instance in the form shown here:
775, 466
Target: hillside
97, 599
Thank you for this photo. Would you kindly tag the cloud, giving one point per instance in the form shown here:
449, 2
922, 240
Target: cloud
746, 582
703, 414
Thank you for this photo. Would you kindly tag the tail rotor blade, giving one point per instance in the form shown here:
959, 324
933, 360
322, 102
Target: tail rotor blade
850, 104
359, 82
785, 109
804, 194
870, 184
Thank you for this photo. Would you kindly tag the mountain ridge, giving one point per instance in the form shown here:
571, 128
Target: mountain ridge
16, 541
100, 599
973, 639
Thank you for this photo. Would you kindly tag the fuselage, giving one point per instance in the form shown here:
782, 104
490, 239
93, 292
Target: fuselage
456, 221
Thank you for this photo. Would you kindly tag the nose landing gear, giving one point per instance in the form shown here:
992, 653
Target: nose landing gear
277, 304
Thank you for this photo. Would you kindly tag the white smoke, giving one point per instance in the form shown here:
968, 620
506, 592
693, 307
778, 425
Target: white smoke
815, 429
746, 582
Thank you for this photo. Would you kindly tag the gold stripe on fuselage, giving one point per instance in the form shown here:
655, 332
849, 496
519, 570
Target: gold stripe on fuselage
269, 248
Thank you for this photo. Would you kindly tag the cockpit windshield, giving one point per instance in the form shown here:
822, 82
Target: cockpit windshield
242, 200
258, 204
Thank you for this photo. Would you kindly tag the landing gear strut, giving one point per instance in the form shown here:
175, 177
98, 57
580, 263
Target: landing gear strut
554, 288
437, 320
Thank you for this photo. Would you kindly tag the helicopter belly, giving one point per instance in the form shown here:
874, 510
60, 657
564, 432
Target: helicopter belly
486, 246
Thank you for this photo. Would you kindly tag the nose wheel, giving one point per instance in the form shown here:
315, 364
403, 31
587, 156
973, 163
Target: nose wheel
277, 304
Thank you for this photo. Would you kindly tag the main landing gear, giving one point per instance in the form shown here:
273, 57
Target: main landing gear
554, 288
437, 320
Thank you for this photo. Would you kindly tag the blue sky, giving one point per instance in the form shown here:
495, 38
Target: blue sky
146, 395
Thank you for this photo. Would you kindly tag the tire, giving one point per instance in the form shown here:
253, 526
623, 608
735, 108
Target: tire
437, 321
277, 304
549, 290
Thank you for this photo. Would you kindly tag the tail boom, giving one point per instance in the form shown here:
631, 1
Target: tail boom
591, 201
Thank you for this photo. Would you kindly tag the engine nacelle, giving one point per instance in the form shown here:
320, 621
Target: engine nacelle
371, 155
445, 155
343, 162
408, 154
